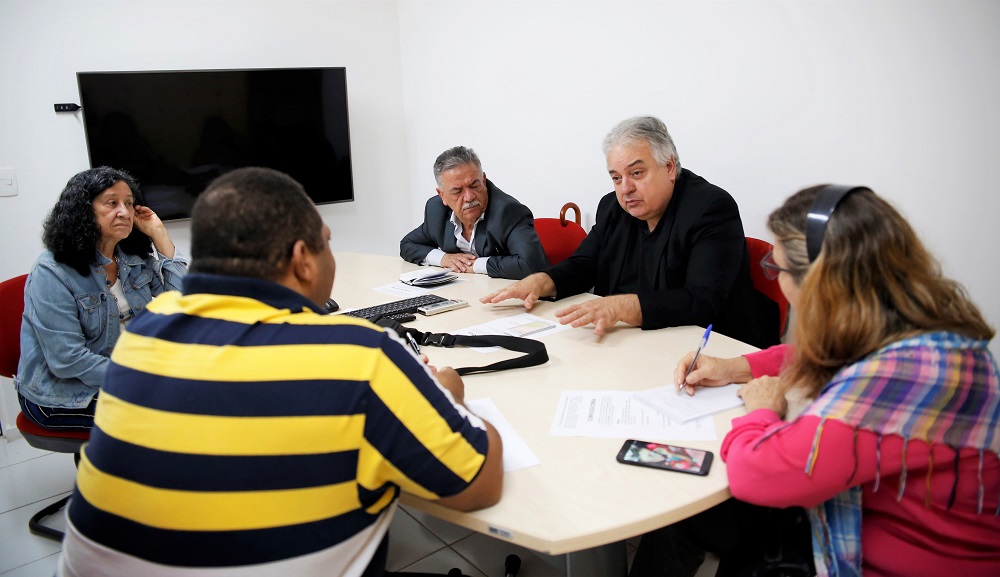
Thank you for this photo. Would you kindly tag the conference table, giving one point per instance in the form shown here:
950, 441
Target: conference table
580, 502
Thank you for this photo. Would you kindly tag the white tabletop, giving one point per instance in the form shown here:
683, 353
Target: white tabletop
579, 497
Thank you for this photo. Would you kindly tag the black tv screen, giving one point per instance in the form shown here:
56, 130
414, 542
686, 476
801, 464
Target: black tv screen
175, 131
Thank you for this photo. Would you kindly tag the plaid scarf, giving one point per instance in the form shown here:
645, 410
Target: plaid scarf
938, 388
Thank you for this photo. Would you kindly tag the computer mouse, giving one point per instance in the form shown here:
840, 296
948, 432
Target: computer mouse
331, 306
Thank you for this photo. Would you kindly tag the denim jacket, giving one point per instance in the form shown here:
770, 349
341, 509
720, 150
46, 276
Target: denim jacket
71, 323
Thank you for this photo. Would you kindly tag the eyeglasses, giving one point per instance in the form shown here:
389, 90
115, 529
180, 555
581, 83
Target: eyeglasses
771, 268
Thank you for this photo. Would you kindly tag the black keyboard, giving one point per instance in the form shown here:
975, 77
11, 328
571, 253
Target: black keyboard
396, 307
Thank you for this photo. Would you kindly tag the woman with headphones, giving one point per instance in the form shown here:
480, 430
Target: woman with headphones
895, 457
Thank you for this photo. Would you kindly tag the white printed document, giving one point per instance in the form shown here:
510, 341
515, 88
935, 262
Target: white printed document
403, 290
616, 414
516, 453
398, 289
521, 325
685, 407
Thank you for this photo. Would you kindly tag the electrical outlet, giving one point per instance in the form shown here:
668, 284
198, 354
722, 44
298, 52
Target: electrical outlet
67, 107
8, 182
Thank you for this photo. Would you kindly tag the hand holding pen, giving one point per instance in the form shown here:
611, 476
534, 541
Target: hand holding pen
682, 385
711, 371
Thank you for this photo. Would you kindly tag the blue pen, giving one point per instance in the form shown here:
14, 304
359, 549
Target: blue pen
701, 345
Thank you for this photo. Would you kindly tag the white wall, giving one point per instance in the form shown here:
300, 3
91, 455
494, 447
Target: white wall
762, 98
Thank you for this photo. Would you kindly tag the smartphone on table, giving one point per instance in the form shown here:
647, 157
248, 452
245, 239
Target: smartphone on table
669, 457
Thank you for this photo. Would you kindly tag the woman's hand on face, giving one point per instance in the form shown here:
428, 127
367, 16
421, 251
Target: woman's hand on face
150, 225
764, 393
146, 220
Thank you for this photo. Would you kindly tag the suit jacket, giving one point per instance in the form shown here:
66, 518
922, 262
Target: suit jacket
506, 235
703, 266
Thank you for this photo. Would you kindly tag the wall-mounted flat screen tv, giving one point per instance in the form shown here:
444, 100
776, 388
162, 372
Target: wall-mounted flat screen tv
175, 131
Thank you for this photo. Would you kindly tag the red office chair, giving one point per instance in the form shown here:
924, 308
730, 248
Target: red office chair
11, 309
12, 301
560, 237
769, 287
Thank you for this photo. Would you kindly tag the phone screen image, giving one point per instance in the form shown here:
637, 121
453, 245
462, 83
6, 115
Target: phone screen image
669, 457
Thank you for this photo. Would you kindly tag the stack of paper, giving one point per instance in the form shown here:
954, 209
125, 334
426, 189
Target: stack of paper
427, 277
684, 407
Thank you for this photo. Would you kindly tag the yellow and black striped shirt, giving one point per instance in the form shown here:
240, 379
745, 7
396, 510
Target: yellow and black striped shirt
238, 426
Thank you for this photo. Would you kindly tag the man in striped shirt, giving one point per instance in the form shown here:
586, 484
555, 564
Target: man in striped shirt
241, 430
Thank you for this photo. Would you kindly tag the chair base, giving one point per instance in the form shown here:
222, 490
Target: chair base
35, 524
59, 442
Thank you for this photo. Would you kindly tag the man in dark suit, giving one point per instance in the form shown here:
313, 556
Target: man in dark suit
473, 226
667, 249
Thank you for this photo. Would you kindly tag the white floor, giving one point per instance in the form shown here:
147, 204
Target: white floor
31, 479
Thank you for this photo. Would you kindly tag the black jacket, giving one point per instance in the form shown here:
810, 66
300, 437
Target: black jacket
702, 273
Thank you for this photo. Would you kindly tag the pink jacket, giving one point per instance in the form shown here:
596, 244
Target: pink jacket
914, 534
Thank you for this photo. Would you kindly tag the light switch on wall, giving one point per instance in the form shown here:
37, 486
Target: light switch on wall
8, 182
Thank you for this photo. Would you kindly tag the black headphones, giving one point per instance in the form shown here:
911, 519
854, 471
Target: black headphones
826, 201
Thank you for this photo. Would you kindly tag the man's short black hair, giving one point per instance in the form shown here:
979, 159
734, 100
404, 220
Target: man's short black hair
246, 222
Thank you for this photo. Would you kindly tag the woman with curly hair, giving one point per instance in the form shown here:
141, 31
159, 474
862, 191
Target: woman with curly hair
98, 271
895, 457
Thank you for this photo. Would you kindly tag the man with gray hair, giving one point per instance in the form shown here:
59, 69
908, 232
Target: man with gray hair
667, 249
473, 226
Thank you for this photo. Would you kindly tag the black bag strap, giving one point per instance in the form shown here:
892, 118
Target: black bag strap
534, 351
